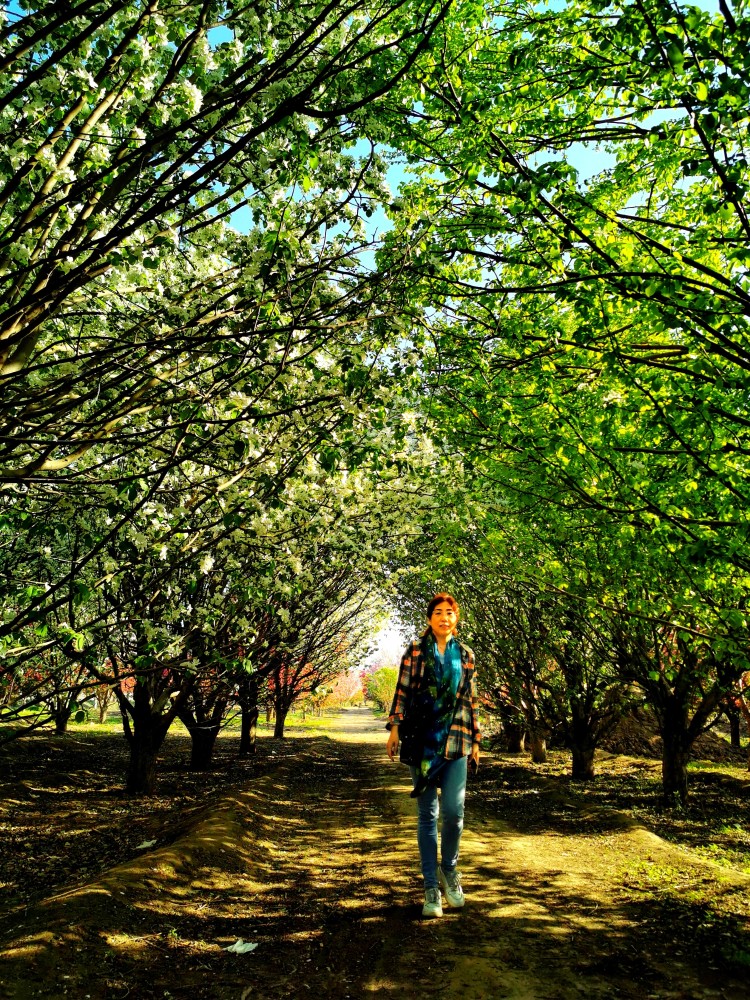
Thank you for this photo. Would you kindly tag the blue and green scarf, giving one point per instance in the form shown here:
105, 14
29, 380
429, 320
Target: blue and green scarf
441, 681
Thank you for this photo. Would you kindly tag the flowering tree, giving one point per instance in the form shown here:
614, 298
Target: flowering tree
344, 689
131, 131
151, 356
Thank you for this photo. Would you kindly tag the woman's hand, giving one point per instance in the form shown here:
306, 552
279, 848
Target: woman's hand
391, 747
474, 756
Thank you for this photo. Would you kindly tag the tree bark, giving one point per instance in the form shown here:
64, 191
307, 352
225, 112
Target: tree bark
583, 763
203, 741
62, 718
538, 748
674, 776
248, 698
675, 755
733, 715
248, 730
734, 731
145, 737
141, 778
582, 738
745, 710
203, 721
515, 736
278, 726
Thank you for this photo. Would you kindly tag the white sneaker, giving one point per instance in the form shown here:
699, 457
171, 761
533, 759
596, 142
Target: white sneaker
433, 906
450, 883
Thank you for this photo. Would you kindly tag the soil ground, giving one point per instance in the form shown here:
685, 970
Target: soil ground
311, 858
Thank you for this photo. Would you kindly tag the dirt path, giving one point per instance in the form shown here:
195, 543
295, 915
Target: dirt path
316, 865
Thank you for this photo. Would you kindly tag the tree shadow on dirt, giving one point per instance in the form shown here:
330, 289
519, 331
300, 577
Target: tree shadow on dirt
315, 864
626, 791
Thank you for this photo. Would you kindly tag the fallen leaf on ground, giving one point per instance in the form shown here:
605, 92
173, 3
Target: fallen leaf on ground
241, 947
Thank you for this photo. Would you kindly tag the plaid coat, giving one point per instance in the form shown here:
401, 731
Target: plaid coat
465, 728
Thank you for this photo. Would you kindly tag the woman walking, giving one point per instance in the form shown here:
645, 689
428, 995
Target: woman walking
443, 668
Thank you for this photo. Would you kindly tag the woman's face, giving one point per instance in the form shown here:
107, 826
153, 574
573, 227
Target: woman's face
443, 620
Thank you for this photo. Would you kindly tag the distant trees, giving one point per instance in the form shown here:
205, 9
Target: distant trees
281, 591
344, 690
379, 686
565, 646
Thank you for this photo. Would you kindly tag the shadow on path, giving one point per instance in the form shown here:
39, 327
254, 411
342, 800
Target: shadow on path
315, 864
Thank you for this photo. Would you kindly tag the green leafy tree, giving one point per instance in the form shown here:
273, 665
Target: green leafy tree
585, 336
380, 685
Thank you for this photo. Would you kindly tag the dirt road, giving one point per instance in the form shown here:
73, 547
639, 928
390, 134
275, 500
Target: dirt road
315, 865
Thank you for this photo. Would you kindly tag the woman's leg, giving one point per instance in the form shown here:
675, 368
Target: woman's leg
427, 839
453, 794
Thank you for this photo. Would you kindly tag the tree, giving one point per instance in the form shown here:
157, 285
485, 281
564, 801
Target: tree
379, 686
152, 355
326, 632
684, 681
345, 689
105, 695
745, 707
586, 335
157, 130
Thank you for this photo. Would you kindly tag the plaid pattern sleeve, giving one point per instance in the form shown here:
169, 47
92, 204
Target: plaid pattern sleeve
408, 673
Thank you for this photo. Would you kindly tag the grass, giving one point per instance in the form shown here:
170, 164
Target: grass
308, 723
711, 920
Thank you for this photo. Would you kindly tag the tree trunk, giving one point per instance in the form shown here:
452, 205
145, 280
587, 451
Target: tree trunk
141, 778
538, 748
674, 776
203, 741
583, 763
745, 710
675, 755
203, 721
515, 736
248, 697
581, 736
146, 737
62, 717
249, 730
278, 726
733, 716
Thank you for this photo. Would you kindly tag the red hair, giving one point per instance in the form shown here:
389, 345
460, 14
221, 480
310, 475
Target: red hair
443, 599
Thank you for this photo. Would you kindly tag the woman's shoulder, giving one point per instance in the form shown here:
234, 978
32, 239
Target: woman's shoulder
420, 640
414, 648
467, 653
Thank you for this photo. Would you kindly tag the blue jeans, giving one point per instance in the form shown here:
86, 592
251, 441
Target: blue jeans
451, 779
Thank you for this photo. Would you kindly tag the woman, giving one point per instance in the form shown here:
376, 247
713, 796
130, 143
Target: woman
442, 665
